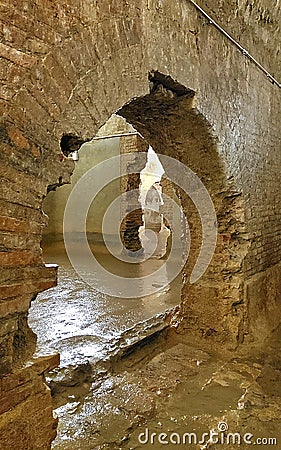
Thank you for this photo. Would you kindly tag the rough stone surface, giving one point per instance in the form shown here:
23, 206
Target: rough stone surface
182, 389
213, 305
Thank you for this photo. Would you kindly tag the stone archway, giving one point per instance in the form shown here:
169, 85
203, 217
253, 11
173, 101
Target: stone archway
170, 121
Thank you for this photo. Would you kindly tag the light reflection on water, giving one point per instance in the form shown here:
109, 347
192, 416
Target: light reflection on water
79, 321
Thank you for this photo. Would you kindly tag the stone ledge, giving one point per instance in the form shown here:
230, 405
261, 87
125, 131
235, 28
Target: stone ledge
26, 383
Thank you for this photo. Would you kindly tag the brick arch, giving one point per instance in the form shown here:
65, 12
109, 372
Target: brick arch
170, 121
58, 89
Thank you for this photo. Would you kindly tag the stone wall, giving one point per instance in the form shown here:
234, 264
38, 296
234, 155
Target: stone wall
67, 66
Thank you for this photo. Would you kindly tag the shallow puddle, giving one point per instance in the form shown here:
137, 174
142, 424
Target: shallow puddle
77, 320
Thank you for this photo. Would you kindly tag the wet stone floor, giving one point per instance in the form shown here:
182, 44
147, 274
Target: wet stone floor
166, 393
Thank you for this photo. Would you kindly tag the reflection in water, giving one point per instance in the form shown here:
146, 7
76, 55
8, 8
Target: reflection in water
79, 321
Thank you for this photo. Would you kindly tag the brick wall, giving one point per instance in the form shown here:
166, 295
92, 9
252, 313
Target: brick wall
133, 220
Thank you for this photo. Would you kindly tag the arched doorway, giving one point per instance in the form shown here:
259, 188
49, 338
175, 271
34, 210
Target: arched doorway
169, 119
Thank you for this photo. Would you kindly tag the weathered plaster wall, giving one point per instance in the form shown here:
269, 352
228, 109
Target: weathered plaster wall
90, 154
67, 66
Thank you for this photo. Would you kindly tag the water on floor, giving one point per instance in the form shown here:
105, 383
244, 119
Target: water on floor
166, 394
80, 322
